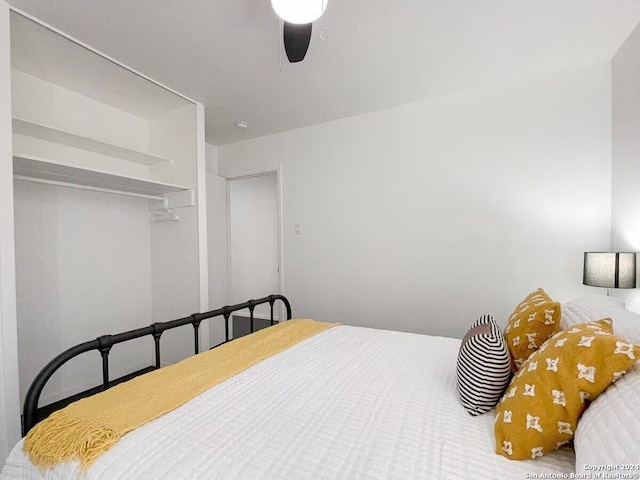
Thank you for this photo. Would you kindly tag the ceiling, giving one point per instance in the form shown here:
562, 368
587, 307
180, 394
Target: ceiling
377, 54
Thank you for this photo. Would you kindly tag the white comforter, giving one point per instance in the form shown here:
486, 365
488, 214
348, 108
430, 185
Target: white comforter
349, 403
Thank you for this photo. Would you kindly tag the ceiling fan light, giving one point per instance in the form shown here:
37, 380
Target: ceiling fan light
299, 11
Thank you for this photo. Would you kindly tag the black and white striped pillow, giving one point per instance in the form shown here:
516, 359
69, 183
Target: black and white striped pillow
484, 366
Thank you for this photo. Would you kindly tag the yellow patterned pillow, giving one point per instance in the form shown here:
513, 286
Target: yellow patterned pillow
533, 321
541, 407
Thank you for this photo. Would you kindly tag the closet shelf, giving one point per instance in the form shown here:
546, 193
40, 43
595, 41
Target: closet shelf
51, 171
53, 134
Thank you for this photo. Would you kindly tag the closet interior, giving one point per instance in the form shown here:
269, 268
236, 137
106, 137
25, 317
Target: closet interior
109, 220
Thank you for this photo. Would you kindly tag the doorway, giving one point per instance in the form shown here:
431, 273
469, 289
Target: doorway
254, 253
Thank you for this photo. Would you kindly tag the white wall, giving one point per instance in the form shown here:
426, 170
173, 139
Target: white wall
625, 228
211, 158
83, 270
9, 392
217, 243
173, 134
253, 239
423, 217
217, 246
178, 267
175, 265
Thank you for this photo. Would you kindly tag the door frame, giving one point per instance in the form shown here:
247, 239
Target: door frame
9, 368
259, 172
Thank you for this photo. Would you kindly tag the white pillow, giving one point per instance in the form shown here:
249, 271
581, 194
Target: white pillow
626, 324
608, 432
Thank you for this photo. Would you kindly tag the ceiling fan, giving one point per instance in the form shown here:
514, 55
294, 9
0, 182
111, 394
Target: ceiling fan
298, 17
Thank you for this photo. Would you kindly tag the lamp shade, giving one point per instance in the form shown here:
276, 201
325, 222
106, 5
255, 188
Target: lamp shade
299, 11
610, 269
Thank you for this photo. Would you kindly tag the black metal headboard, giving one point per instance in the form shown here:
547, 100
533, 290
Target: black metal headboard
32, 414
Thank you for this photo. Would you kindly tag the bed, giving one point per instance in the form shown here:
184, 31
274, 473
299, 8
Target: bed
349, 402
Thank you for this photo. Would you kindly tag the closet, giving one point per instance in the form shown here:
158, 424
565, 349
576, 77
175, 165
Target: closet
109, 207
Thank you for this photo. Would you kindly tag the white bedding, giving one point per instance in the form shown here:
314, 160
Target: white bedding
349, 403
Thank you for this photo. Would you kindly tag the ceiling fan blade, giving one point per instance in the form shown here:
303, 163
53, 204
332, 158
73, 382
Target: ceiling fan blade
296, 40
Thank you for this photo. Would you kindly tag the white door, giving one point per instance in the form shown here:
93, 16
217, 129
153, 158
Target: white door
253, 240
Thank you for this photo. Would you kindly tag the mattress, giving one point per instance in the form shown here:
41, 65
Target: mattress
347, 403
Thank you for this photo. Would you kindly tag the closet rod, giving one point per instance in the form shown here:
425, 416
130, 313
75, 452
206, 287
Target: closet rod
86, 187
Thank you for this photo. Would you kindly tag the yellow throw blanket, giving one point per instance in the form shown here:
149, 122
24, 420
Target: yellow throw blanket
89, 427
